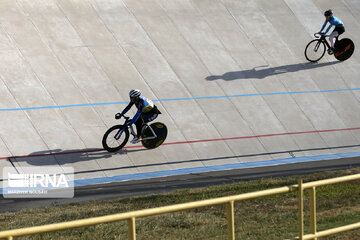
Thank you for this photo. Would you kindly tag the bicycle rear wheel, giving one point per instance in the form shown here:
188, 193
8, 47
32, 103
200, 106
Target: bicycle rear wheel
344, 48
315, 50
109, 141
160, 130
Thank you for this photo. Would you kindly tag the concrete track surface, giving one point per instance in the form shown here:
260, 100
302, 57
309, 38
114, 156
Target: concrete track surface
230, 78
140, 187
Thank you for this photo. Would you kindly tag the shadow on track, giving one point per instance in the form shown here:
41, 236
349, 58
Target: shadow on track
261, 72
72, 156
58, 156
41, 158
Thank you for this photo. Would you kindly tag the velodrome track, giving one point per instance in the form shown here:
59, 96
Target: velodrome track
155, 185
229, 76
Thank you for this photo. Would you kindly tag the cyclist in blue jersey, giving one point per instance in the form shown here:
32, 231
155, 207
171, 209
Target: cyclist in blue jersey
339, 28
147, 112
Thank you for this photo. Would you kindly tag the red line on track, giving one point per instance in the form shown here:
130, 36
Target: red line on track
264, 135
184, 142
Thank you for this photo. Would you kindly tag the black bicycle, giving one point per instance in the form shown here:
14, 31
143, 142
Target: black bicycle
152, 136
316, 48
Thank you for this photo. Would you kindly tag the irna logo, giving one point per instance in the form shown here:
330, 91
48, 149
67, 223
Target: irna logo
37, 180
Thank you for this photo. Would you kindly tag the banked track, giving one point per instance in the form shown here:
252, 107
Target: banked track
229, 76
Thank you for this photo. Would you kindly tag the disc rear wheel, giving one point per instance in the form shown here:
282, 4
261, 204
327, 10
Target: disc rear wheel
344, 48
160, 130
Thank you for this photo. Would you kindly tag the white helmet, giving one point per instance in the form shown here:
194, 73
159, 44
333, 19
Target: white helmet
134, 93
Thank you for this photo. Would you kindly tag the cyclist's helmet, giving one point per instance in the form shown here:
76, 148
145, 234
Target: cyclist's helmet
134, 93
328, 13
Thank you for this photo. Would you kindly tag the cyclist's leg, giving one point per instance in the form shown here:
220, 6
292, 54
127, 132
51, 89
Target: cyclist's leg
340, 30
138, 125
146, 118
335, 34
332, 37
149, 117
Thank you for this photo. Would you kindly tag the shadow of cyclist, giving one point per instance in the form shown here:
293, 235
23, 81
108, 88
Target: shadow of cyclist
51, 157
261, 72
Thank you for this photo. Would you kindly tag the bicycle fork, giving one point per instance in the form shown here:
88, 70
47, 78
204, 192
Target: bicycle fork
317, 46
118, 134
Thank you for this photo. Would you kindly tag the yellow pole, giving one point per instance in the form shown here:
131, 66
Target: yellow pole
231, 220
132, 228
313, 211
333, 231
142, 213
301, 209
10, 238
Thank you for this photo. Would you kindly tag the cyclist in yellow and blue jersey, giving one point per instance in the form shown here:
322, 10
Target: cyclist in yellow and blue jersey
147, 112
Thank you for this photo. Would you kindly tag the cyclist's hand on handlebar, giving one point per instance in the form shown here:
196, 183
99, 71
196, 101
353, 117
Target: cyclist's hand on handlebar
318, 34
118, 116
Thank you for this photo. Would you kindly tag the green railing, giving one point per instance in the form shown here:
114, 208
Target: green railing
228, 201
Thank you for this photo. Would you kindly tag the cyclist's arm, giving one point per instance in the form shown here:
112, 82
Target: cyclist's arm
127, 108
328, 28
136, 117
141, 108
322, 28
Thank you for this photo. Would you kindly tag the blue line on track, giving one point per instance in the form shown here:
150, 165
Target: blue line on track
180, 99
232, 166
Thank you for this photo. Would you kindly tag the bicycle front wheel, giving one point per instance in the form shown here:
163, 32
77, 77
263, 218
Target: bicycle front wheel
315, 50
112, 142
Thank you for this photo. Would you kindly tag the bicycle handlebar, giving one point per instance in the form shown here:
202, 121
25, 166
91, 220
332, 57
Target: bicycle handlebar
318, 35
127, 120
118, 116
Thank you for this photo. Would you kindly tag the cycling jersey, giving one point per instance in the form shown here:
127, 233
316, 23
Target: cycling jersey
334, 21
144, 105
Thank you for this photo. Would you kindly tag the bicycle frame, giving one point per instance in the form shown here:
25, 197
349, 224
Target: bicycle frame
119, 133
322, 38
126, 124
152, 131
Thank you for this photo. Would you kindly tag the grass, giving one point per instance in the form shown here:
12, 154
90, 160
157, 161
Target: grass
273, 217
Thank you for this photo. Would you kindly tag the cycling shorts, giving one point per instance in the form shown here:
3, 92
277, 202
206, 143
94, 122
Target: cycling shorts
339, 29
